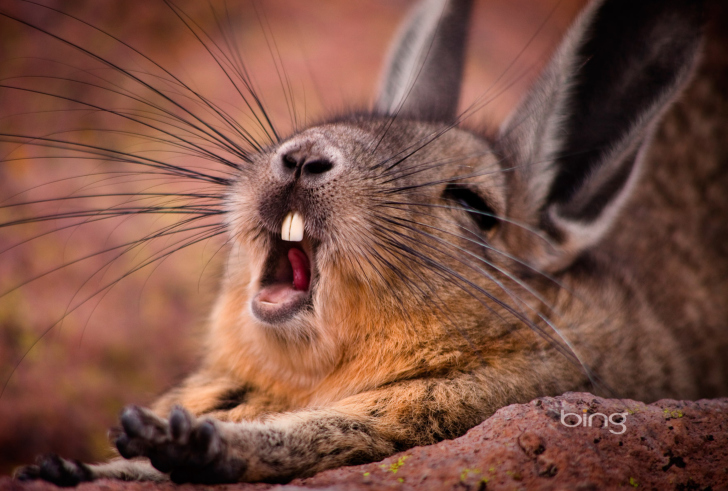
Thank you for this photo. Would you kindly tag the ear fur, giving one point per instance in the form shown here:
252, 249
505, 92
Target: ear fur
576, 142
424, 73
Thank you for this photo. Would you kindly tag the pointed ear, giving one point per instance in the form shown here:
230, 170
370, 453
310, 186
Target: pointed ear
423, 76
576, 142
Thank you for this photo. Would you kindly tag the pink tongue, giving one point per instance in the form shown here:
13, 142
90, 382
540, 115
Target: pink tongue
301, 269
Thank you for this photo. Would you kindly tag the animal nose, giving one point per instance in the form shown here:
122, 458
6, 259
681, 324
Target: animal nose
305, 164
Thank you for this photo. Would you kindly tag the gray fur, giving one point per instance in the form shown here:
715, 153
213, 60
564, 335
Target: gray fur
537, 135
425, 65
558, 293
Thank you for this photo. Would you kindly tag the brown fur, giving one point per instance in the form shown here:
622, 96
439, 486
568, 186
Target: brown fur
397, 352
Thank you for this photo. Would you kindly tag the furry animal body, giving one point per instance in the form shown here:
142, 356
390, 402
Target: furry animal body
393, 277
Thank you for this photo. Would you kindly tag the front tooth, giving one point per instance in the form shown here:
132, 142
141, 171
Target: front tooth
286, 227
296, 231
292, 228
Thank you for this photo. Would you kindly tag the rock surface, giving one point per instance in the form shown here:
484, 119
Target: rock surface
681, 445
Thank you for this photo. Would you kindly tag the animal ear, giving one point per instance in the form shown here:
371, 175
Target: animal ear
574, 146
423, 76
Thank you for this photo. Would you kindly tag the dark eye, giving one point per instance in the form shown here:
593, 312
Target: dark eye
476, 207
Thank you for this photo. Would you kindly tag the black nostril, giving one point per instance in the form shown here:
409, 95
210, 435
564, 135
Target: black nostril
289, 162
317, 166
302, 161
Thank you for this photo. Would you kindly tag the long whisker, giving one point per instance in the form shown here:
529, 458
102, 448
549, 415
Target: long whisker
567, 349
130, 75
241, 75
417, 227
188, 143
98, 292
388, 240
111, 154
500, 218
170, 230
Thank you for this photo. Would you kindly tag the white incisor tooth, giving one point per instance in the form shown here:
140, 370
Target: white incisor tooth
286, 227
292, 228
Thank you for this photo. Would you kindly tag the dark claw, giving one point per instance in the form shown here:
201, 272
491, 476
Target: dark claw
180, 424
126, 450
141, 423
27, 473
52, 468
205, 435
131, 421
188, 449
203, 444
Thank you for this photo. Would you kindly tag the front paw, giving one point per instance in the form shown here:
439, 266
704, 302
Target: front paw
188, 449
52, 468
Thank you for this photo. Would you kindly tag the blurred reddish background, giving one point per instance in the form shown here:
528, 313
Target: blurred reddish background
67, 381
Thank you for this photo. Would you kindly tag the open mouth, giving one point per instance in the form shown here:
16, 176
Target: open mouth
285, 285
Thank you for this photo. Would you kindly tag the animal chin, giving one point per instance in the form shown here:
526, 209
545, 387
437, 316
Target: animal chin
286, 282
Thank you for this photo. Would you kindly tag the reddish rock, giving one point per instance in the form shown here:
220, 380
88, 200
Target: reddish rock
681, 445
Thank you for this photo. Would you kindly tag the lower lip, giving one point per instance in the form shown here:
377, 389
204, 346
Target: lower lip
279, 303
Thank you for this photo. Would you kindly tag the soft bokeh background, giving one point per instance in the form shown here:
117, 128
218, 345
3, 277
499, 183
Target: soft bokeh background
65, 382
